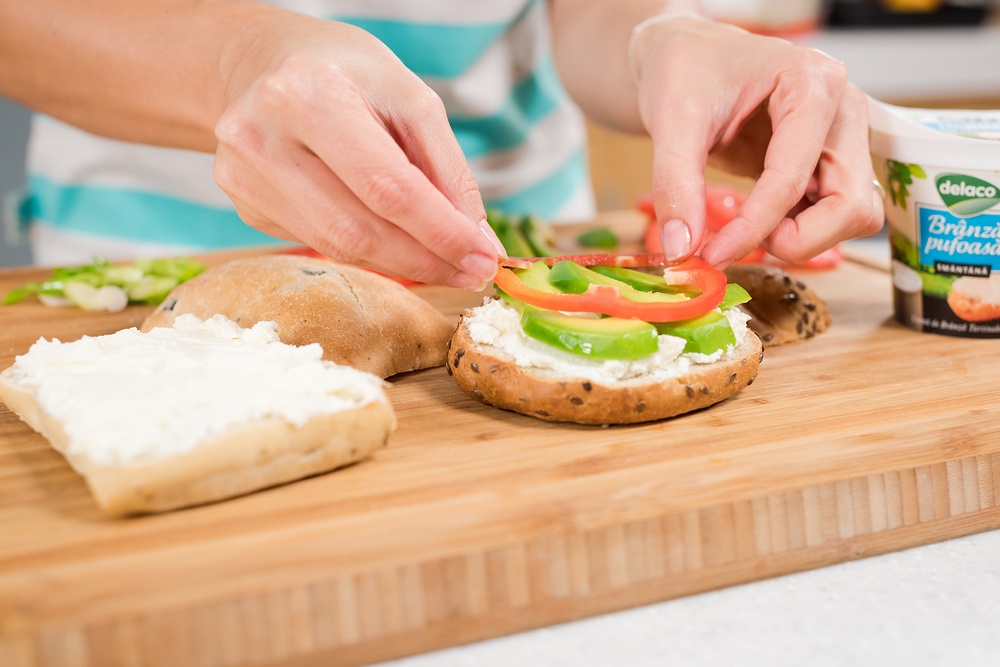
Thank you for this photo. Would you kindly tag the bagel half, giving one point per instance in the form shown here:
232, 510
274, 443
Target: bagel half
490, 375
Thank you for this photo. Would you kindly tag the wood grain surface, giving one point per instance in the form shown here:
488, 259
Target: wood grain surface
475, 522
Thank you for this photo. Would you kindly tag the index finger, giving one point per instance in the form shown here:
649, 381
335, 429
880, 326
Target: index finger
366, 157
434, 149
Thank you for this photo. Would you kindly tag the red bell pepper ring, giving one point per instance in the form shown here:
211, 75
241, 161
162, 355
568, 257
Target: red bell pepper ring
595, 259
608, 300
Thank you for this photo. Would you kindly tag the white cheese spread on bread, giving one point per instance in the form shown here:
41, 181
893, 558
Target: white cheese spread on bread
498, 325
132, 397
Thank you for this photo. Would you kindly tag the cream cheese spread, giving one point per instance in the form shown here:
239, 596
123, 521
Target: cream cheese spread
133, 397
498, 325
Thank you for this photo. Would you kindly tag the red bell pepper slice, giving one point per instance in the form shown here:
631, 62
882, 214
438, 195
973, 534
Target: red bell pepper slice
595, 259
608, 300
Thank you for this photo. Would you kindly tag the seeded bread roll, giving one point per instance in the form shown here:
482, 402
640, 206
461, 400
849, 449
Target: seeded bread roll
362, 319
784, 310
490, 375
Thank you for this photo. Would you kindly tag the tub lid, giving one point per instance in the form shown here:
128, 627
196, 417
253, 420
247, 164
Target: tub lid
953, 138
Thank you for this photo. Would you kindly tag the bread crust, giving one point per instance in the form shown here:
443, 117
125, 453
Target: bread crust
783, 308
362, 319
249, 458
489, 374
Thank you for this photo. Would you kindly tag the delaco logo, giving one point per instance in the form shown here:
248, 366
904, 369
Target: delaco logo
966, 195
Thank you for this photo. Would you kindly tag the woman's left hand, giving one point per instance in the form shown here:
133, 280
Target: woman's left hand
757, 106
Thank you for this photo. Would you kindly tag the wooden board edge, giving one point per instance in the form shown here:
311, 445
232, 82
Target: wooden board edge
387, 613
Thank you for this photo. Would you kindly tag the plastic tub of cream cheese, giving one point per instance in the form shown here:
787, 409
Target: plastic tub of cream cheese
941, 173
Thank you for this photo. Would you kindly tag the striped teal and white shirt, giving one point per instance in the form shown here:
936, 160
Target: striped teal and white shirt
490, 61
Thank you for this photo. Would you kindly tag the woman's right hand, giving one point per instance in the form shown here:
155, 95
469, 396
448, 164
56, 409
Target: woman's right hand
326, 138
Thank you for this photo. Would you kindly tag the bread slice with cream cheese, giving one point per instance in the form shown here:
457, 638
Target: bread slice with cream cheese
195, 413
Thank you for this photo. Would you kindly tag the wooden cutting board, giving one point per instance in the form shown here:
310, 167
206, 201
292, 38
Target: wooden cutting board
475, 522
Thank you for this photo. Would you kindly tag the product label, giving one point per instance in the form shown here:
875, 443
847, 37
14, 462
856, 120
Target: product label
944, 227
947, 239
966, 195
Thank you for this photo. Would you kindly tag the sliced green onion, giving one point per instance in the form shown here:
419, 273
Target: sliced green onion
101, 285
600, 237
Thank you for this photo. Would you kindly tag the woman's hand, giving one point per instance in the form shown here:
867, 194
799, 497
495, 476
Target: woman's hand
761, 107
327, 139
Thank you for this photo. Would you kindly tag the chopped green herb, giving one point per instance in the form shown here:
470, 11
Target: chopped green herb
522, 235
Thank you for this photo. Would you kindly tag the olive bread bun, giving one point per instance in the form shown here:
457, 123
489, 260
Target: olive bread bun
361, 318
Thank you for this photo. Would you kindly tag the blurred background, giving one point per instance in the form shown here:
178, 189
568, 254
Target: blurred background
922, 53
13, 141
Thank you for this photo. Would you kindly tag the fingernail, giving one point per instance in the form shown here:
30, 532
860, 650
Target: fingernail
468, 281
491, 236
676, 239
479, 265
